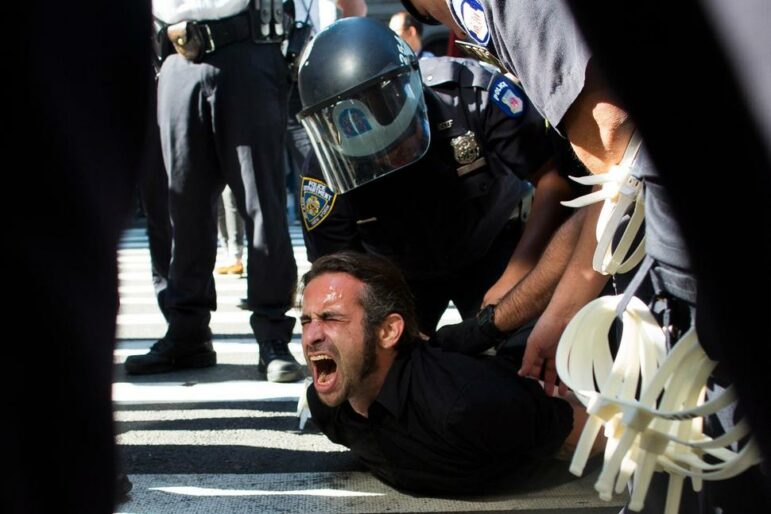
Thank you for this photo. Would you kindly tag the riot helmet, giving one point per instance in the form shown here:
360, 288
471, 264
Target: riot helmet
363, 104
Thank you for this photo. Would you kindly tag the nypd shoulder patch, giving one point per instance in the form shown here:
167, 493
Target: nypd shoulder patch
316, 201
471, 15
507, 96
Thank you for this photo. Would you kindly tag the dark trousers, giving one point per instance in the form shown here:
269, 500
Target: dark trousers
222, 122
466, 287
154, 194
298, 144
82, 109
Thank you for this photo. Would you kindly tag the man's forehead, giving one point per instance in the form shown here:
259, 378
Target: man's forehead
331, 289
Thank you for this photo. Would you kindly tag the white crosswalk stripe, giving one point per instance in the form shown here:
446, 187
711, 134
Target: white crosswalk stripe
223, 439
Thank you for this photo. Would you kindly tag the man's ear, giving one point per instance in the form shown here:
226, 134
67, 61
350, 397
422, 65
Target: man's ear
390, 330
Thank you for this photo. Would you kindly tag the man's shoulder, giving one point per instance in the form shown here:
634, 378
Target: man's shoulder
454, 71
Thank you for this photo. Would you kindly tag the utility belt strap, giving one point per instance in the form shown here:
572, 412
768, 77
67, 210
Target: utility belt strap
195, 39
262, 22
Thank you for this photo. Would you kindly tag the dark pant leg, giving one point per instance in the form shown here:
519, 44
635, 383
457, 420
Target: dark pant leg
298, 143
195, 183
250, 120
82, 110
154, 192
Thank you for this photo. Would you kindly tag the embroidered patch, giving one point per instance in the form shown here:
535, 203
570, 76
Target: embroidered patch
507, 96
316, 201
471, 16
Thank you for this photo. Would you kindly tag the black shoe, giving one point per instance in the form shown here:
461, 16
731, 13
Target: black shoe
278, 363
243, 304
167, 355
123, 487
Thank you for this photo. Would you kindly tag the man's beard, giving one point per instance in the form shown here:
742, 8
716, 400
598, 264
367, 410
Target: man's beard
368, 358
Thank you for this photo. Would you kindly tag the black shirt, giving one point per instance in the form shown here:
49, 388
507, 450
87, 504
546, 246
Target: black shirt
449, 423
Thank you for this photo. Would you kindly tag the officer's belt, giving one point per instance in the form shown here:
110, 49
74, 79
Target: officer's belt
194, 39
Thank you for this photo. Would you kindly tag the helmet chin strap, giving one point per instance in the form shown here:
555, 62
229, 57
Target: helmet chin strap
620, 192
661, 427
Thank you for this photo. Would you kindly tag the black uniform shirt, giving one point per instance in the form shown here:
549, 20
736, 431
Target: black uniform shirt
425, 217
447, 422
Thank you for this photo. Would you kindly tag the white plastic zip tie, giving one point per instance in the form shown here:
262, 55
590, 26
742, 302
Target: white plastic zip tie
303, 411
663, 429
620, 192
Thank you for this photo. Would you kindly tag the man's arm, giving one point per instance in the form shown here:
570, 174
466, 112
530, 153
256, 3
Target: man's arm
529, 298
579, 285
523, 303
598, 127
545, 218
328, 220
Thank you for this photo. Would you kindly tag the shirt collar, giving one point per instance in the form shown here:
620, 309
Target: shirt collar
393, 394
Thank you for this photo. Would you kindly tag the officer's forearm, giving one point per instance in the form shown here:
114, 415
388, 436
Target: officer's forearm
546, 216
580, 284
598, 127
530, 297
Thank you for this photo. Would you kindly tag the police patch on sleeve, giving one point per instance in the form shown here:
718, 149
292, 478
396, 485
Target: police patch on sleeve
316, 201
470, 15
507, 96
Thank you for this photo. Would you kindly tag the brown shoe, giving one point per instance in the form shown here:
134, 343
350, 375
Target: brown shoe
233, 269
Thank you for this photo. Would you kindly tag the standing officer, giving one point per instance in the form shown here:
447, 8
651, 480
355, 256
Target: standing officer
221, 106
544, 45
431, 173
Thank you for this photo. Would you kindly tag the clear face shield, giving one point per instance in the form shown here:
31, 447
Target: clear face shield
370, 131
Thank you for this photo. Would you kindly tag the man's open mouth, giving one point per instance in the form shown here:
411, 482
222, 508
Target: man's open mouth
324, 371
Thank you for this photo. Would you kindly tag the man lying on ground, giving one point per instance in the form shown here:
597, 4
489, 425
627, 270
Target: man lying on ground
420, 418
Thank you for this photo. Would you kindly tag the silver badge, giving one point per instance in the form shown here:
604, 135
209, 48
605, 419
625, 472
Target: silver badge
465, 148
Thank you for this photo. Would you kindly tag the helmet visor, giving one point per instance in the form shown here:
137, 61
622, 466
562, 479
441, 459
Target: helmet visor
369, 131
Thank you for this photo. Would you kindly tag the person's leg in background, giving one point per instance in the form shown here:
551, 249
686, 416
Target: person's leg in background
82, 110
231, 233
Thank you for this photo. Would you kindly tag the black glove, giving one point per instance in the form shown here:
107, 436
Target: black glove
471, 336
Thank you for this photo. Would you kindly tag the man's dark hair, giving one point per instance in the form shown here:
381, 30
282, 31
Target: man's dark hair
411, 21
385, 290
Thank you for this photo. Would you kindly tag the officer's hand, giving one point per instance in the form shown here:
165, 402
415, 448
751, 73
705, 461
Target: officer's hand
540, 353
464, 337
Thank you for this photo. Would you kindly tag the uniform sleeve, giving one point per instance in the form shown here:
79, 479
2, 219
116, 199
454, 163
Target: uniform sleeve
327, 220
514, 415
515, 134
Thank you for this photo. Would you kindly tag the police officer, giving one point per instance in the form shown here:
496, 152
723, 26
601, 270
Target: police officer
221, 106
561, 76
424, 163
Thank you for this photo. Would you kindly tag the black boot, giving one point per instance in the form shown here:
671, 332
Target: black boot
168, 355
278, 363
